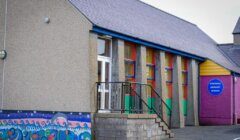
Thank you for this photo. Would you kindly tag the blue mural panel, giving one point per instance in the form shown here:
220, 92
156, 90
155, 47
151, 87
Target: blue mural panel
34, 125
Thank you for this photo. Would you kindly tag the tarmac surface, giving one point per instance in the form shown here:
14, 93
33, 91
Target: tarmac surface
208, 133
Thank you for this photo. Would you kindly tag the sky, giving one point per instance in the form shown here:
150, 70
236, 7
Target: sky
217, 18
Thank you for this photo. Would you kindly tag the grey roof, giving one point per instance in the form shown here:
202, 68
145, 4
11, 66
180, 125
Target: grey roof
137, 19
232, 51
237, 27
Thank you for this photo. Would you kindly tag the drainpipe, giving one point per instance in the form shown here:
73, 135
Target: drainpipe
199, 92
234, 101
4, 47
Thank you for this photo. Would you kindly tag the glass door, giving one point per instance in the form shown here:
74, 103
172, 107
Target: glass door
104, 74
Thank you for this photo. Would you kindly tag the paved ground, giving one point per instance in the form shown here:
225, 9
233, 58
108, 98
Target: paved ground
208, 133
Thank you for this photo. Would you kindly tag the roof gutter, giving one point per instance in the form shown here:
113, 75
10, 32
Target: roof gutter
235, 74
104, 31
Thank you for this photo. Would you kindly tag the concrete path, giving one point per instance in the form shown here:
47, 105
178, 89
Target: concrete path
208, 133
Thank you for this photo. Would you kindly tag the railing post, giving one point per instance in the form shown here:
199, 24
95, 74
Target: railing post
170, 120
140, 104
97, 97
122, 101
130, 98
151, 102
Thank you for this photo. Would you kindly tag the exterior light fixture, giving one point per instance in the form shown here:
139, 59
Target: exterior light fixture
106, 36
235, 79
3, 54
47, 20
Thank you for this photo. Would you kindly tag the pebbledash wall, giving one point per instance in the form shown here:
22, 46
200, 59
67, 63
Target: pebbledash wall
219, 98
45, 60
44, 70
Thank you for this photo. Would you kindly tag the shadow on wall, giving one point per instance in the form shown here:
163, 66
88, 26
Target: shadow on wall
28, 125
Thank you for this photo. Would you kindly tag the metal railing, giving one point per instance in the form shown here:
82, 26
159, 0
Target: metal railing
155, 103
132, 98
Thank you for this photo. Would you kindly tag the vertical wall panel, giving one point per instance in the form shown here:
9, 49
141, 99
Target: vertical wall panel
211, 68
216, 109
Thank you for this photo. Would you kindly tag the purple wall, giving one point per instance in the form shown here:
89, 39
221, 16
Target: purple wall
216, 110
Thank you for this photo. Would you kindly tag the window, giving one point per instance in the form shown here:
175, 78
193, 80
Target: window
184, 71
169, 68
184, 77
130, 60
104, 48
150, 56
130, 68
150, 72
150, 65
169, 73
169, 77
184, 83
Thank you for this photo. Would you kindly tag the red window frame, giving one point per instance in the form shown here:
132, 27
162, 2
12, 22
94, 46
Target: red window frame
130, 60
185, 82
151, 64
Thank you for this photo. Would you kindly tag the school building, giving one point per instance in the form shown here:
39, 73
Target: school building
110, 69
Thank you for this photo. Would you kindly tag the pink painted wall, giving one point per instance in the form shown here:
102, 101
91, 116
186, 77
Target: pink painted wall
216, 110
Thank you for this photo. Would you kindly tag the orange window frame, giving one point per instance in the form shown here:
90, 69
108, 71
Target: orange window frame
151, 62
130, 60
169, 67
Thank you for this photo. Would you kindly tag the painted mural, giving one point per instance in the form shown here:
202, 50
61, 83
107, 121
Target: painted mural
21, 125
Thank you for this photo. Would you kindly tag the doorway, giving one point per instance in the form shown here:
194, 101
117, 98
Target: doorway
104, 73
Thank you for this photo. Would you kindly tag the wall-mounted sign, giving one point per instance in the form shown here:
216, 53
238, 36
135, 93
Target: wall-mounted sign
215, 87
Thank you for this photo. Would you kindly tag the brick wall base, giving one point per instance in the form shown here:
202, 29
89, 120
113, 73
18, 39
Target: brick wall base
127, 127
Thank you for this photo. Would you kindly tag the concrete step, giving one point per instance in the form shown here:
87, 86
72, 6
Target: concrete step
164, 128
167, 131
158, 120
171, 135
163, 125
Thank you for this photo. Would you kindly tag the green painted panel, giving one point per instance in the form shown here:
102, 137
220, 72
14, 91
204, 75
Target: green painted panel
169, 104
151, 104
184, 103
127, 103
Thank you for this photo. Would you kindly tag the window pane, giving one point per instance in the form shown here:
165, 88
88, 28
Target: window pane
184, 64
99, 71
129, 69
150, 72
107, 74
168, 73
103, 47
184, 78
169, 78
169, 60
150, 56
127, 52
130, 51
183, 68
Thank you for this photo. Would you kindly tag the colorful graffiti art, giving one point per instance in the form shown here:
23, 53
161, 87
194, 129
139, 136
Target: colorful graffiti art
22, 125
